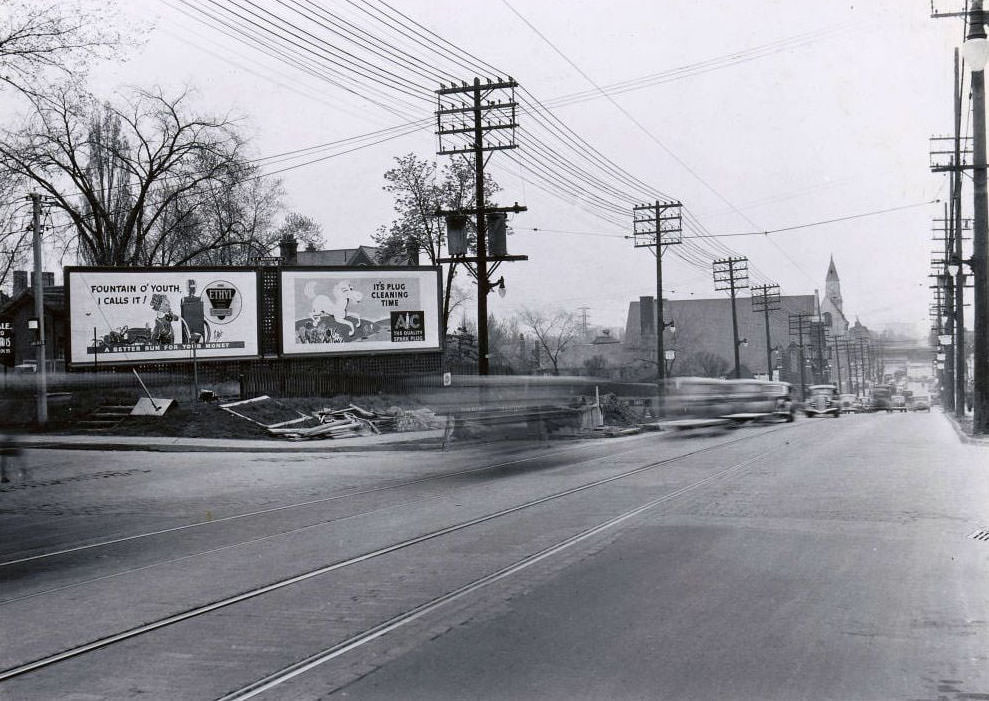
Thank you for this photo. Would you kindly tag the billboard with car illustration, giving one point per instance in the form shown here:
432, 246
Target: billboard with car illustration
139, 315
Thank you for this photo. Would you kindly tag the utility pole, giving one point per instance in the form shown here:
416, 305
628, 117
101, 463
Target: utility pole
732, 274
943, 309
837, 362
975, 18
853, 368
953, 157
959, 302
798, 322
862, 365
765, 299
39, 313
655, 226
468, 116
980, 229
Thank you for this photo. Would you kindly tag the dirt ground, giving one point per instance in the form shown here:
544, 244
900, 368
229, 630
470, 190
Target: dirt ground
186, 418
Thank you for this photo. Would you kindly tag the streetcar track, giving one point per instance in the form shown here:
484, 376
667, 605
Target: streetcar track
212, 551
275, 509
313, 502
302, 666
197, 611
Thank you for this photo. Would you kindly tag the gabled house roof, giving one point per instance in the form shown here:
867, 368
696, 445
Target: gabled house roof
54, 300
350, 257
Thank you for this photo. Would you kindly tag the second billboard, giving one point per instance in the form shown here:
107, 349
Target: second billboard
345, 311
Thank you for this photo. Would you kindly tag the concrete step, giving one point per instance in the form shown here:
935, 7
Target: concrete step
104, 417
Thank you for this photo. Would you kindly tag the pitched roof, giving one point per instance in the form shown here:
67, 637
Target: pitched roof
832, 271
362, 255
54, 298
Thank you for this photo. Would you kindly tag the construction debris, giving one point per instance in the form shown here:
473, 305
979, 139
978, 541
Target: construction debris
348, 422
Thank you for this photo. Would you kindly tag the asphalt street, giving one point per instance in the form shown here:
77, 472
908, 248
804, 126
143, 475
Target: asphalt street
826, 559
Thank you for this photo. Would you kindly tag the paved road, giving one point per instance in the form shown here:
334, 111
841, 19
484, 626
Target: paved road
828, 559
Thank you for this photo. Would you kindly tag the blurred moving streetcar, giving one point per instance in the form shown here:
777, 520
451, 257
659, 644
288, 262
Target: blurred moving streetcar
704, 402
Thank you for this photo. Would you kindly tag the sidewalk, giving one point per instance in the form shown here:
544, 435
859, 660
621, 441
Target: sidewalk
410, 440
963, 427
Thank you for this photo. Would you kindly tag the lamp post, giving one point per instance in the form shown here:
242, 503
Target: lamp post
976, 51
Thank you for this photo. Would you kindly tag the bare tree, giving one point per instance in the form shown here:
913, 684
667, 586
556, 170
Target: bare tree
704, 364
304, 229
145, 182
15, 238
420, 189
503, 344
554, 333
42, 38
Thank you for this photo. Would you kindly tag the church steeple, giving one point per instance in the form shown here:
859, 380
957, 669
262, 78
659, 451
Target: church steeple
832, 286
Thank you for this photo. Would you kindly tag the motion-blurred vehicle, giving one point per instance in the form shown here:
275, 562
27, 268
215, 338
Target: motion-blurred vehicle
921, 402
898, 402
823, 400
759, 400
696, 403
850, 404
703, 402
881, 396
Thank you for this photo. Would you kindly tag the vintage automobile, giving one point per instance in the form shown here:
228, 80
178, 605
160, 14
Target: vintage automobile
850, 404
921, 402
758, 400
823, 400
898, 402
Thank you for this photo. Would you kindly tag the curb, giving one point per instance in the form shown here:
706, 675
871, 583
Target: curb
962, 436
427, 444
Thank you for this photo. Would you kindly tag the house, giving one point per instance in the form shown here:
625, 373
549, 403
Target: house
361, 256
19, 308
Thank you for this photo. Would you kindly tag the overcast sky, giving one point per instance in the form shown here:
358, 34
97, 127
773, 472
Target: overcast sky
779, 118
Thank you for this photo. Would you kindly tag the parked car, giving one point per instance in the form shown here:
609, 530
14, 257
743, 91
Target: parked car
850, 404
921, 403
823, 400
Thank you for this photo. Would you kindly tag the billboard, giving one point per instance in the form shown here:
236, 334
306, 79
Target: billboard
139, 315
371, 310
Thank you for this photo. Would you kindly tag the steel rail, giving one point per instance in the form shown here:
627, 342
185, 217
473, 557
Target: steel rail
401, 545
302, 666
284, 507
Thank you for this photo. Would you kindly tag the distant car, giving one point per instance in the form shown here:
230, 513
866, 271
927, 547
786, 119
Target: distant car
823, 401
921, 403
898, 402
850, 404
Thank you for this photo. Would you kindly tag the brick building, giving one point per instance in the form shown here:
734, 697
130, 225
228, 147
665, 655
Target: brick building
19, 308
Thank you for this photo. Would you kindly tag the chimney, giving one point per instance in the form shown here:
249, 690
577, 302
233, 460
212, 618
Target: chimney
647, 317
47, 279
289, 247
20, 280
